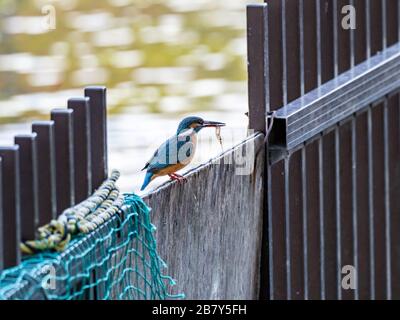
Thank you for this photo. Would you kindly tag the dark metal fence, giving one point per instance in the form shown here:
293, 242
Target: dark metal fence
202, 227
328, 182
333, 169
55, 167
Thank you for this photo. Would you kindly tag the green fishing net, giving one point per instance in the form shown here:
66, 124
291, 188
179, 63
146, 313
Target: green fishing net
116, 261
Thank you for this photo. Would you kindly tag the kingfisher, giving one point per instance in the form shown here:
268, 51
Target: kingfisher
178, 151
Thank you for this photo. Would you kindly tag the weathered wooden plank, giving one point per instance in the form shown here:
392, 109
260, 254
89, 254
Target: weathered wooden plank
209, 226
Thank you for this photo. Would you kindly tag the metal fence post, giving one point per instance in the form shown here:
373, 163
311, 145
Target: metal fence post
98, 140
1, 217
82, 150
257, 48
47, 170
11, 228
64, 141
28, 167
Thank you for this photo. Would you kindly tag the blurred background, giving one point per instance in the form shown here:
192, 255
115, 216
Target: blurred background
161, 60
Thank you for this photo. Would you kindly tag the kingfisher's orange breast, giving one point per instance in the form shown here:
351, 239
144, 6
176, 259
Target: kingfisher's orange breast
181, 163
170, 169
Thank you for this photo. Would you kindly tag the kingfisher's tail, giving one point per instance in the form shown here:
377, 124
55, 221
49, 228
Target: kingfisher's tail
147, 180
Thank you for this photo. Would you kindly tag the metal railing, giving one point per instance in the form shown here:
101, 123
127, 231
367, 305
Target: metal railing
202, 232
324, 195
333, 175
55, 167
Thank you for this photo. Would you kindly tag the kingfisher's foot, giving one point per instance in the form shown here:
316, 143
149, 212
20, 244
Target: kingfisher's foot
177, 177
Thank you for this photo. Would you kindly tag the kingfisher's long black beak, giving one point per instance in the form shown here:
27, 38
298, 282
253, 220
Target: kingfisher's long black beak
212, 124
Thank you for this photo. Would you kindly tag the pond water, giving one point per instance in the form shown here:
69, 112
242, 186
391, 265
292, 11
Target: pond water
160, 60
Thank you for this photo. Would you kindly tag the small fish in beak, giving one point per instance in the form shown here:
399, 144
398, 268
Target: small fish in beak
217, 126
219, 137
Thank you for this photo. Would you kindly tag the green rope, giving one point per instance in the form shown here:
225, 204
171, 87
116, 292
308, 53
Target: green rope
82, 218
118, 259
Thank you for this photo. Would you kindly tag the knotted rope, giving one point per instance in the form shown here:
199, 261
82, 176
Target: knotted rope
80, 219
